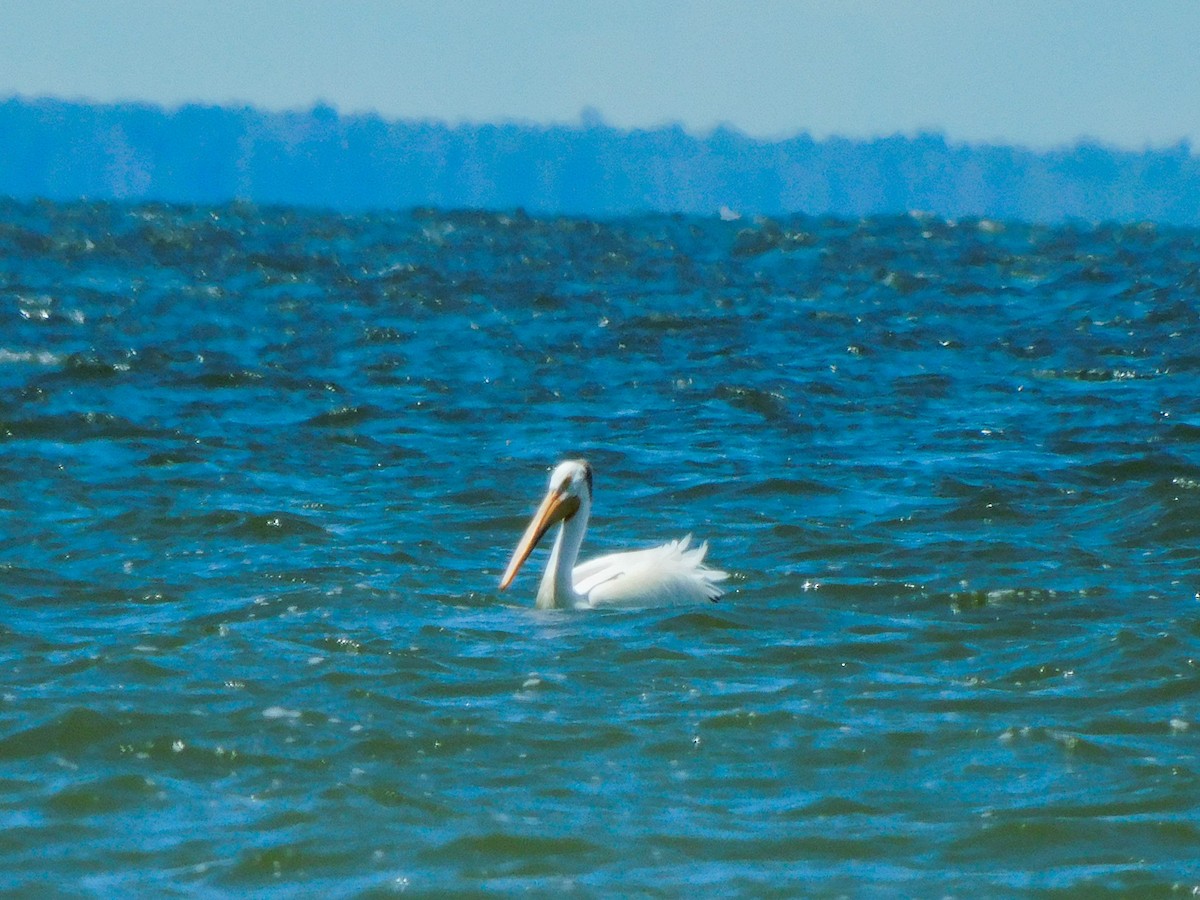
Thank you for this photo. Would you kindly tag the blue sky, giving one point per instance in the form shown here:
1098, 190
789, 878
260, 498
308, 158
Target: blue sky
1040, 74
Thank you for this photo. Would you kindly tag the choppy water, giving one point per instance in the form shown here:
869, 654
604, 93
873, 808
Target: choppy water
262, 469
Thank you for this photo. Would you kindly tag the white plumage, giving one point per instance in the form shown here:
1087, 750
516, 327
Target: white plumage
669, 575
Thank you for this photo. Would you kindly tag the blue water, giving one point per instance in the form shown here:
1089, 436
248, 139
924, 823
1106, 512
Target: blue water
262, 469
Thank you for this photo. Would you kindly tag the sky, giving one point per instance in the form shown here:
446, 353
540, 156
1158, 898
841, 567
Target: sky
1036, 73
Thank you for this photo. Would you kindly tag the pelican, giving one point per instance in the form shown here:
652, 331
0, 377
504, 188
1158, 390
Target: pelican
661, 576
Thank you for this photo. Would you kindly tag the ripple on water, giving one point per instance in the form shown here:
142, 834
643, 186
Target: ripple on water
265, 466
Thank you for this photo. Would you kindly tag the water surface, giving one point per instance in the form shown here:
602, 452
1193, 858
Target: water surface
262, 469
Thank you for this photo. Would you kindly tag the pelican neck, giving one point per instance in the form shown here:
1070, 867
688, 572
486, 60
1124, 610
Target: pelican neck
557, 589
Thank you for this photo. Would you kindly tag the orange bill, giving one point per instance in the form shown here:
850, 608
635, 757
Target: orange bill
555, 507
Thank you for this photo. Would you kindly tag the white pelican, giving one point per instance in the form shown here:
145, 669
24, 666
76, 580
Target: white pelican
661, 576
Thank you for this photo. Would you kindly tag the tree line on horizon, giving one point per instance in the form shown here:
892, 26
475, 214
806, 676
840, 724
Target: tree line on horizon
63, 150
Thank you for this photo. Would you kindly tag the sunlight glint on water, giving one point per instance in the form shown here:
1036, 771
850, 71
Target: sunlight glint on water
263, 468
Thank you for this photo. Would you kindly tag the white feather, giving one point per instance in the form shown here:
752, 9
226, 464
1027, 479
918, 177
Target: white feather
667, 575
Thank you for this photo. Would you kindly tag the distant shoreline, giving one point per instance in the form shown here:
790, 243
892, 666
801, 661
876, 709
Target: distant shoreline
66, 150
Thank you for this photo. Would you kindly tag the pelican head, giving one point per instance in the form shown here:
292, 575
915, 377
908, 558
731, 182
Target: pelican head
569, 498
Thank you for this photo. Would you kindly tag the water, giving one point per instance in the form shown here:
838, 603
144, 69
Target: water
263, 468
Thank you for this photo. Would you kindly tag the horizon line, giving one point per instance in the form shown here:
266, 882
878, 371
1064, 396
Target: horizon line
590, 117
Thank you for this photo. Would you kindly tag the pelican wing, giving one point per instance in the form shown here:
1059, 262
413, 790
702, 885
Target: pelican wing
661, 576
